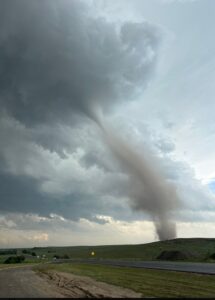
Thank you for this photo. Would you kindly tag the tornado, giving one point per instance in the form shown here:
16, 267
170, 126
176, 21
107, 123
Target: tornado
149, 191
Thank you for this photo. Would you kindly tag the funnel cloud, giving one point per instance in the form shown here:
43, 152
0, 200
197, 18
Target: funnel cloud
148, 190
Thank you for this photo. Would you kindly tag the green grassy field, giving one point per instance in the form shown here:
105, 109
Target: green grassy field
201, 248
151, 283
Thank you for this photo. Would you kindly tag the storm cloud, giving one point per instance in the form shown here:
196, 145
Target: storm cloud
56, 59
59, 65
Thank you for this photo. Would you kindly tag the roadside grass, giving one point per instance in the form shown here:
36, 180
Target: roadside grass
8, 266
151, 283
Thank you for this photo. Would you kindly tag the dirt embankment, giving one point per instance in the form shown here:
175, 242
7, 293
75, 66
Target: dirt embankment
74, 286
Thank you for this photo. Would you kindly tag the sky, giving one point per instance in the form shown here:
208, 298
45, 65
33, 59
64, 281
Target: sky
149, 66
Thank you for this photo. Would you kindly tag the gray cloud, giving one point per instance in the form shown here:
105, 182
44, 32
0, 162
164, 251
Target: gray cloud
25, 197
59, 61
165, 146
57, 64
55, 59
45, 182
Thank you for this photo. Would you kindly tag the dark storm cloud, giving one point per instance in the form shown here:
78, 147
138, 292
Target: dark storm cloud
20, 194
32, 181
55, 59
58, 65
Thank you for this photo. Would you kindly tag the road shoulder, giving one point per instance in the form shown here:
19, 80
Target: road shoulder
75, 286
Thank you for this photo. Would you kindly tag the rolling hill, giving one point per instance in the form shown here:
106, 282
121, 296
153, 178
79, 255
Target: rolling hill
199, 249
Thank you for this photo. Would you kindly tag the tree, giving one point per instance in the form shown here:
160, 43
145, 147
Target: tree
14, 259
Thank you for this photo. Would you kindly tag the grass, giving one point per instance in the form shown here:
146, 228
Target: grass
6, 266
200, 247
151, 283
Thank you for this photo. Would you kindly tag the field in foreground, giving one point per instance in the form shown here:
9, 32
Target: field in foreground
151, 283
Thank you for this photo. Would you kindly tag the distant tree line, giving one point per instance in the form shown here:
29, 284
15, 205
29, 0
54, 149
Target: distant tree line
8, 252
29, 252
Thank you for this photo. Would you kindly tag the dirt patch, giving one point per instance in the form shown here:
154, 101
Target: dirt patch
74, 286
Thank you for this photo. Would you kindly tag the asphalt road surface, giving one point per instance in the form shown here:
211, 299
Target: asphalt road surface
202, 268
22, 282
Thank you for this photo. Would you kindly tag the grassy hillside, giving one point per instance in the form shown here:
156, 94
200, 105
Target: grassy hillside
200, 247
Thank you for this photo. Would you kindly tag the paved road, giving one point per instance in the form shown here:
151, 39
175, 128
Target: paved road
22, 282
203, 268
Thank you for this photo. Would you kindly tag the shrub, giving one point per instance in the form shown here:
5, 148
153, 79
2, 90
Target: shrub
212, 256
65, 256
14, 259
